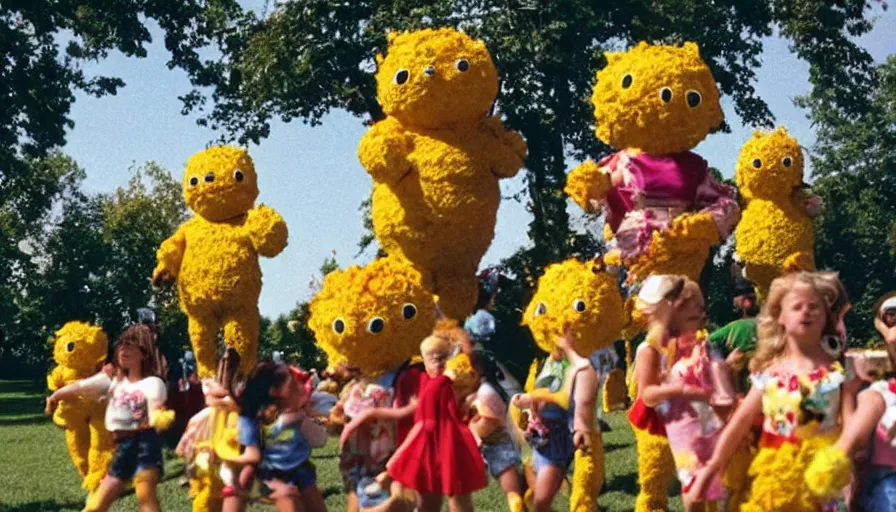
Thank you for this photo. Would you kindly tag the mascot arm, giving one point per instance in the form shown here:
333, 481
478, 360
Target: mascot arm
508, 150
530, 379
55, 379
718, 201
267, 230
171, 254
587, 183
384, 151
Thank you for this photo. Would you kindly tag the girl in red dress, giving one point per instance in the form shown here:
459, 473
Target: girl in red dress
439, 457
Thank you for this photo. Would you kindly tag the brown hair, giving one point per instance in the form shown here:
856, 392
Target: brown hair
142, 337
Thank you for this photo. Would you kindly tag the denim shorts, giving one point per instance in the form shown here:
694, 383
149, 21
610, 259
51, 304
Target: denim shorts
302, 476
878, 489
499, 457
137, 452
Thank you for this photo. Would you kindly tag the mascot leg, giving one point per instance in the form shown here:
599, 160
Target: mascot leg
241, 331
101, 451
206, 493
145, 484
203, 335
77, 439
614, 391
736, 477
799, 261
588, 476
656, 469
457, 294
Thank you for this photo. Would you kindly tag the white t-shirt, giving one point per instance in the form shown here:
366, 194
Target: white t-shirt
128, 403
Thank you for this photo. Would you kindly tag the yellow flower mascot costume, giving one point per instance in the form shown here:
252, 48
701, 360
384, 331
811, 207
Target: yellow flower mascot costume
775, 234
214, 256
663, 206
79, 351
437, 158
373, 318
576, 309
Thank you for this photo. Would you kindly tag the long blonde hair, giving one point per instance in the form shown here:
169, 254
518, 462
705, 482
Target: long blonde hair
772, 340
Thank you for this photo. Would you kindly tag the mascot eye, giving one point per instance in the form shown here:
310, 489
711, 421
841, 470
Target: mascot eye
694, 99
376, 325
462, 65
757, 163
70, 347
787, 161
627, 80
833, 345
578, 305
339, 326
402, 76
209, 178
238, 175
666, 94
194, 181
409, 311
540, 309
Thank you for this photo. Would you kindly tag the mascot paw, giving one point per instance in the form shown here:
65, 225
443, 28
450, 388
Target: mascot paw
828, 473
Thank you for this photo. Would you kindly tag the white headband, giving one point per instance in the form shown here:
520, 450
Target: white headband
888, 304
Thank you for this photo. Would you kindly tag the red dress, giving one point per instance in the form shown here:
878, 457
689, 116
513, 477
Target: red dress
440, 456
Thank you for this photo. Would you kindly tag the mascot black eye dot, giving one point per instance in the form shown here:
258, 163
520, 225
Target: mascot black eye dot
238, 175
757, 163
787, 161
376, 325
694, 99
540, 309
462, 65
627, 80
209, 178
339, 326
409, 311
578, 305
70, 346
194, 181
666, 94
402, 76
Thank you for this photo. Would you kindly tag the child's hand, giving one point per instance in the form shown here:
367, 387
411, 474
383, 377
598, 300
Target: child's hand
696, 393
50, 405
351, 426
522, 401
698, 485
581, 440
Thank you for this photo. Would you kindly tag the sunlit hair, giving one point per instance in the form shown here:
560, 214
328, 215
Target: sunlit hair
141, 337
772, 339
446, 339
657, 301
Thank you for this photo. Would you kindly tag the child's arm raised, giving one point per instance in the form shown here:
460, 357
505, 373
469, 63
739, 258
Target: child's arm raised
94, 387
377, 413
728, 442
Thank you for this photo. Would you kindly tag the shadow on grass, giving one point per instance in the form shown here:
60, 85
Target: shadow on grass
42, 506
21, 386
22, 406
35, 419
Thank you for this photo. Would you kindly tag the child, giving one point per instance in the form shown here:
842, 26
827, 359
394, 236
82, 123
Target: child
135, 394
796, 385
277, 435
439, 456
489, 415
694, 394
874, 418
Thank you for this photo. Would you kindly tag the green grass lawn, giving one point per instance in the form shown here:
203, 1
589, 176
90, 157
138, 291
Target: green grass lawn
36, 474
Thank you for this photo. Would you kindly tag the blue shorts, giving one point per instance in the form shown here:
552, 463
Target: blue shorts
557, 449
302, 476
879, 489
499, 457
136, 452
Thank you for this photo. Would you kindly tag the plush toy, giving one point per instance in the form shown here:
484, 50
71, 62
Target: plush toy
582, 299
79, 351
663, 206
437, 158
214, 255
372, 319
775, 234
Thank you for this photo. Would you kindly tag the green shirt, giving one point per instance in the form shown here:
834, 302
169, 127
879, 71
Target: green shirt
739, 335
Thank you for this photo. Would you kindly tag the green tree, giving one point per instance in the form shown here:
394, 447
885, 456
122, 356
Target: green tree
854, 161
306, 58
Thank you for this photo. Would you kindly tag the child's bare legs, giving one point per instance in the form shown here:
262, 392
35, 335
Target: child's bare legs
235, 503
286, 497
547, 483
109, 490
313, 500
862, 422
461, 503
145, 484
510, 483
430, 502
351, 503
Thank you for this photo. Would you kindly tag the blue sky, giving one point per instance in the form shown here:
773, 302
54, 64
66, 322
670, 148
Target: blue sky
312, 175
